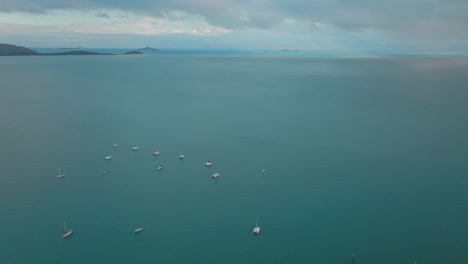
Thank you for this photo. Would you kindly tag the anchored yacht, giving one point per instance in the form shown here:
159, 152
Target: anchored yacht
60, 174
66, 233
256, 229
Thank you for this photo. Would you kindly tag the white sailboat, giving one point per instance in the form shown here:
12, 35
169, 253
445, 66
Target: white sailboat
156, 153
181, 156
256, 229
135, 148
60, 174
160, 167
114, 146
108, 157
215, 175
208, 163
66, 233
138, 230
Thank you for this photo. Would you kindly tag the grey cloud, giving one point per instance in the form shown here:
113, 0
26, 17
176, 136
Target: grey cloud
418, 18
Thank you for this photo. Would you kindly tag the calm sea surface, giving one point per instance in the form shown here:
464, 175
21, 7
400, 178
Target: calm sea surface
365, 156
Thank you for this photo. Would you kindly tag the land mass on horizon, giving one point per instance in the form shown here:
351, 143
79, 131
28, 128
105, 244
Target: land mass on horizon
148, 48
13, 50
133, 52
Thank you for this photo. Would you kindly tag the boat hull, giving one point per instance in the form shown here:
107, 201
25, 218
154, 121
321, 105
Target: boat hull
67, 234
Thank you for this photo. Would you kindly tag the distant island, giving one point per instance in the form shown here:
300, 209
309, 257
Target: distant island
76, 52
148, 48
132, 52
12, 50
71, 48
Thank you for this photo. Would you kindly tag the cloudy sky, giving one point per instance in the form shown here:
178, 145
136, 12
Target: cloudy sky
429, 26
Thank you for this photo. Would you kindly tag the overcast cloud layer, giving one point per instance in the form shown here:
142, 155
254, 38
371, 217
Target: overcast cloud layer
410, 20
422, 17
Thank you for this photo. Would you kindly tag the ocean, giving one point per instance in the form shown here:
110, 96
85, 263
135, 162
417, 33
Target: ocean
363, 155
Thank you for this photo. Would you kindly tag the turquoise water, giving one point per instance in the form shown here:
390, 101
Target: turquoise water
363, 156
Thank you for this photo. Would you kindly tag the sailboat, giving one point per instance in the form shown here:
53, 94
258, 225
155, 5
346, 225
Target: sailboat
65, 232
256, 229
138, 230
60, 174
